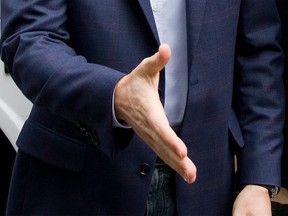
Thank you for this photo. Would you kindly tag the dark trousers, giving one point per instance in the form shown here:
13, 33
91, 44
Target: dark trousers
161, 198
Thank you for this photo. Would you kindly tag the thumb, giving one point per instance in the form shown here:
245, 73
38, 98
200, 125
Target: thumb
155, 63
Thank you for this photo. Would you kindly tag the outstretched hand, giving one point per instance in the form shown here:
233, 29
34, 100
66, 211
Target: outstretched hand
137, 102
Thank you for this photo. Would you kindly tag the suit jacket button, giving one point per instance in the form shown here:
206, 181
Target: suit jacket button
144, 169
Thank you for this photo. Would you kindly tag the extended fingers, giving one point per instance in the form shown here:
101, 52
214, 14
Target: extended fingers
189, 171
173, 152
184, 166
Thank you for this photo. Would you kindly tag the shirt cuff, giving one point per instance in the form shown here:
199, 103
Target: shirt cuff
115, 121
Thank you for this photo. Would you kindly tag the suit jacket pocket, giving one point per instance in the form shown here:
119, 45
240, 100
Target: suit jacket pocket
235, 128
52, 147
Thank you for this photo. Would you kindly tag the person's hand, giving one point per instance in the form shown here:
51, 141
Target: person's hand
253, 200
137, 103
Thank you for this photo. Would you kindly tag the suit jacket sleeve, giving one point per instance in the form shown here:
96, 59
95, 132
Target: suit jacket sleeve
259, 92
36, 52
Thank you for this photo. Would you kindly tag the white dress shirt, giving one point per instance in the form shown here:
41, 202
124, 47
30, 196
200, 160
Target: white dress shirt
170, 18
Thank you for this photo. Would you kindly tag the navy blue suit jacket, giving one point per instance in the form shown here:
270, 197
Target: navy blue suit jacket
67, 56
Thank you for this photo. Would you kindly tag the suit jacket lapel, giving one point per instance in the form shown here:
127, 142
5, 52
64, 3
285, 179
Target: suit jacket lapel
195, 12
146, 8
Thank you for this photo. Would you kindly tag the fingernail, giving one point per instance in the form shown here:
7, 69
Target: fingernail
188, 180
185, 178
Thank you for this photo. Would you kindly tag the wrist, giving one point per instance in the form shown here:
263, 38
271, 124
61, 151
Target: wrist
272, 190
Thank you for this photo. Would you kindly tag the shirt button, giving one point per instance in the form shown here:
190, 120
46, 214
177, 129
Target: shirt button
144, 169
155, 7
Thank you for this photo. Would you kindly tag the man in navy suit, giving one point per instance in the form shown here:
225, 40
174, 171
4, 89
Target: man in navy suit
107, 127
